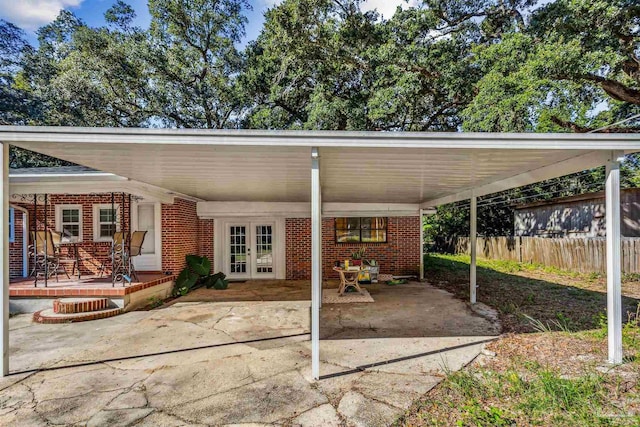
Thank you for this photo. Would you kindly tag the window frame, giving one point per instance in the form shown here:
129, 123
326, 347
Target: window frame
12, 225
60, 223
97, 223
360, 229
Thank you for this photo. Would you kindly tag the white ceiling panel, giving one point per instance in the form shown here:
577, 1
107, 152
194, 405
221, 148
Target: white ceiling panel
356, 167
226, 173
414, 175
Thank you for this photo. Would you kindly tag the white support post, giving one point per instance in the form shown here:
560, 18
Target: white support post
473, 231
320, 254
421, 245
4, 238
614, 293
316, 263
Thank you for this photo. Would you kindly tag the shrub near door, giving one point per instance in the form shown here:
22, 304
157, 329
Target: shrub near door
197, 274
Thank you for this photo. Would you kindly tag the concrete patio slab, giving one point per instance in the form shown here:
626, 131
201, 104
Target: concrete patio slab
247, 363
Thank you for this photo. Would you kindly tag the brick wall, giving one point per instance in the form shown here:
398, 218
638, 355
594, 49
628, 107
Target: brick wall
15, 247
400, 255
92, 253
298, 248
205, 238
180, 234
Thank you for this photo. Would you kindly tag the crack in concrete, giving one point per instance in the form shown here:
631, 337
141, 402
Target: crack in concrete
129, 389
232, 388
357, 389
19, 381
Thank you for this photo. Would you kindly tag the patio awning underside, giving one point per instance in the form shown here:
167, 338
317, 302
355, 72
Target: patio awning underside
427, 168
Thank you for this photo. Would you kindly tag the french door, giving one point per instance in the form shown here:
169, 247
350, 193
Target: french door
250, 250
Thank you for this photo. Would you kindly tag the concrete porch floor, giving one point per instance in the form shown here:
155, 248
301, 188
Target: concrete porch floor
233, 362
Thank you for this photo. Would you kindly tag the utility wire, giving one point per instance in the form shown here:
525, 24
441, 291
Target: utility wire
487, 201
530, 187
542, 186
637, 116
519, 199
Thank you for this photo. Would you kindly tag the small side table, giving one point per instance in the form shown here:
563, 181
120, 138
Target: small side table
348, 278
72, 257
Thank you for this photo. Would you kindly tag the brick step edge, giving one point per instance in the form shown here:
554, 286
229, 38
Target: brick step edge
84, 305
48, 316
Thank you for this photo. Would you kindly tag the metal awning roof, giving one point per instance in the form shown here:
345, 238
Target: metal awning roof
377, 167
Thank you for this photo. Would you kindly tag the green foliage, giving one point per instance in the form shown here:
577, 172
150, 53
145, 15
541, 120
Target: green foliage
559, 324
523, 65
630, 333
200, 265
155, 302
17, 104
181, 72
186, 279
359, 253
192, 49
572, 68
477, 415
197, 274
217, 281
539, 395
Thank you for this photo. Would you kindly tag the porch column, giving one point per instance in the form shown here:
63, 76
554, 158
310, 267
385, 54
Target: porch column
4, 253
473, 219
614, 293
316, 263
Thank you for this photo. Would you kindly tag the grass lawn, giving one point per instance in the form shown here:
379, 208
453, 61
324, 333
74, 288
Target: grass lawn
549, 367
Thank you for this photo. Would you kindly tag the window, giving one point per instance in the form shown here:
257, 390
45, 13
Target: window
361, 230
69, 222
12, 225
106, 221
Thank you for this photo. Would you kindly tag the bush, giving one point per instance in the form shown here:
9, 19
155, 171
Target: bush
197, 274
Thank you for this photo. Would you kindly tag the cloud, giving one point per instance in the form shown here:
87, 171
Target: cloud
31, 14
387, 8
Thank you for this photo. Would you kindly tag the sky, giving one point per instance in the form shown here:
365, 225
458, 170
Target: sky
32, 14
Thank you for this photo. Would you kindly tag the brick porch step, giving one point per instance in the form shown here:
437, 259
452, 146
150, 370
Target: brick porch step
49, 316
79, 305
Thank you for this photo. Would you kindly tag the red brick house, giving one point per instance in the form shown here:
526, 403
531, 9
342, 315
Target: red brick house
245, 240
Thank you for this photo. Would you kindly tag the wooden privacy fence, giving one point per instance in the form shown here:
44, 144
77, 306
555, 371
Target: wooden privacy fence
583, 255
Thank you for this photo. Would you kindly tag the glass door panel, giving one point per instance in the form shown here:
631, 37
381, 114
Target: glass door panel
238, 256
264, 249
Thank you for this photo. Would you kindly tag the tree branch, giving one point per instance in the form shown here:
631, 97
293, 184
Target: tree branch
582, 129
613, 88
